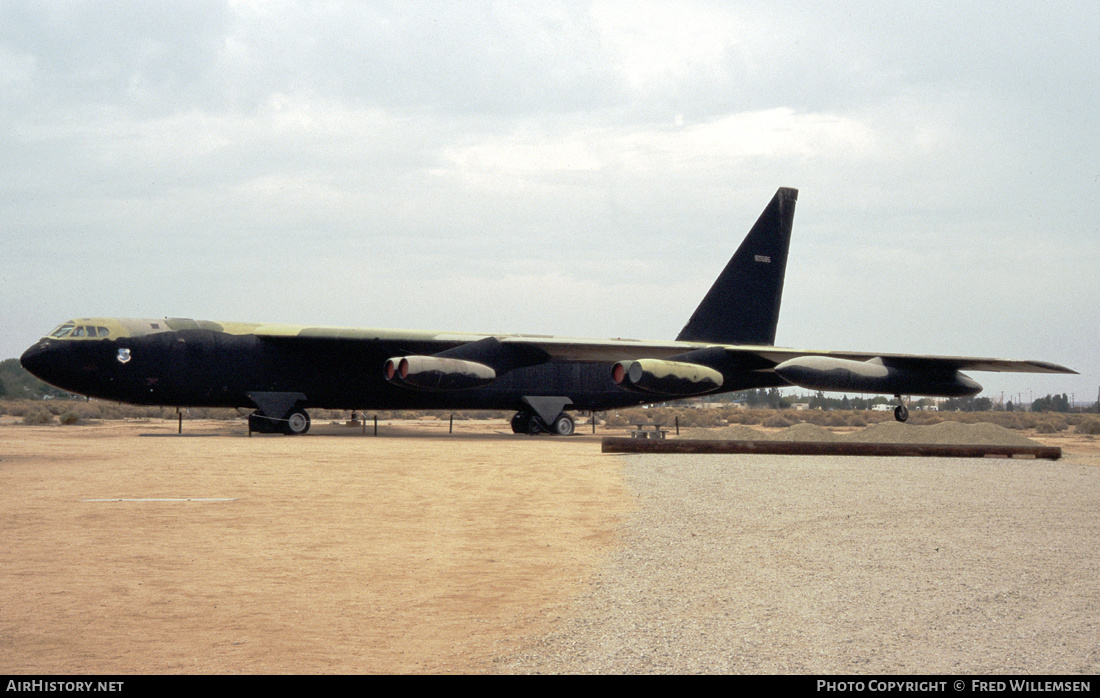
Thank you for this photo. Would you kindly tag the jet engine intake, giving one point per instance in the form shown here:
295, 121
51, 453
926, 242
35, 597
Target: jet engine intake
874, 376
676, 378
437, 374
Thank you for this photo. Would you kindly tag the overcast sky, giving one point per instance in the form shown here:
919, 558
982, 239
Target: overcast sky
581, 168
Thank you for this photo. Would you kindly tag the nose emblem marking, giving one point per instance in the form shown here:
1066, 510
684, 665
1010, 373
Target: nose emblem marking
123, 355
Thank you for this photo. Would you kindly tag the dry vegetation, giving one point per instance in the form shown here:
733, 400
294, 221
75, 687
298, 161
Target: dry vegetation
1042, 422
81, 412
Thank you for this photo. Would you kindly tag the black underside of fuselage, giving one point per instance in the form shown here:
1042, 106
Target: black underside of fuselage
204, 368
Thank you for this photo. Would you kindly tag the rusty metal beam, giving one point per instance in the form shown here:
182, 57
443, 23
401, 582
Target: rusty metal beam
828, 448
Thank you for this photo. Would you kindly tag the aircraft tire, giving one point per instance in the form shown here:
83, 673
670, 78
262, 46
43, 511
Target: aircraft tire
901, 413
564, 425
296, 422
535, 425
262, 424
519, 422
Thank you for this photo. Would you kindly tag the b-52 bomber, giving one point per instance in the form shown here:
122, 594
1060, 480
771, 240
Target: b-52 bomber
280, 371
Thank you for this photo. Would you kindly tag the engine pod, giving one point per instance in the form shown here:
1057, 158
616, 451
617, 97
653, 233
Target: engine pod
659, 377
437, 374
874, 376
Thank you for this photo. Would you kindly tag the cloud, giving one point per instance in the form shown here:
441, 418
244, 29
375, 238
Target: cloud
341, 157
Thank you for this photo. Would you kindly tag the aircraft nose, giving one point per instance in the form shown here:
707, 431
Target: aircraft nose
53, 361
36, 359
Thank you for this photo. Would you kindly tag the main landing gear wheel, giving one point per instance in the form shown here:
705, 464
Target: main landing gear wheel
524, 422
535, 425
262, 424
297, 422
563, 425
519, 422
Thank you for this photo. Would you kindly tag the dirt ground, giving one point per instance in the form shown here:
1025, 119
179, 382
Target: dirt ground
334, 552
129, 549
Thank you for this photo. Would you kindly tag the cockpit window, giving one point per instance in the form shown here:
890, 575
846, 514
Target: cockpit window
73, 331
62, 331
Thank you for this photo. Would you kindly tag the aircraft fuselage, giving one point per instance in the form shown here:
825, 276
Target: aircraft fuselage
208, 368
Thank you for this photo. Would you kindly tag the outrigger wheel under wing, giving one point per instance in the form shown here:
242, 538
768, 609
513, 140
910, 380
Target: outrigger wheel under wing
901, 412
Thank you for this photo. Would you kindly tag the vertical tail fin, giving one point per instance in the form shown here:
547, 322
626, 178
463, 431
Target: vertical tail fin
742, 307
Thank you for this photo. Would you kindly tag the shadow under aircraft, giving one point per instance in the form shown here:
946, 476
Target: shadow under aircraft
281, 371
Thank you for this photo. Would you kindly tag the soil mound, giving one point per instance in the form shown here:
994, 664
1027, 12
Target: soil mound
979, 434
734, 432
804, 431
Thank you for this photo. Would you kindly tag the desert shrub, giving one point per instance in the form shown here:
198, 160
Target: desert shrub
1050, 424
624, 418
744, 417
221, 413
615, 419
481, 414
777, 421
1088, 426
1010, 420
69, 418
108, 411
698, 418
39, 417
810, 416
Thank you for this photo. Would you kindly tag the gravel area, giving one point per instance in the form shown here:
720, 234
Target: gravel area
784, 564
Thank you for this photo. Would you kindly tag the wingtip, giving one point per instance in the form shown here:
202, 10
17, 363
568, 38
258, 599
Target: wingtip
1054, 368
